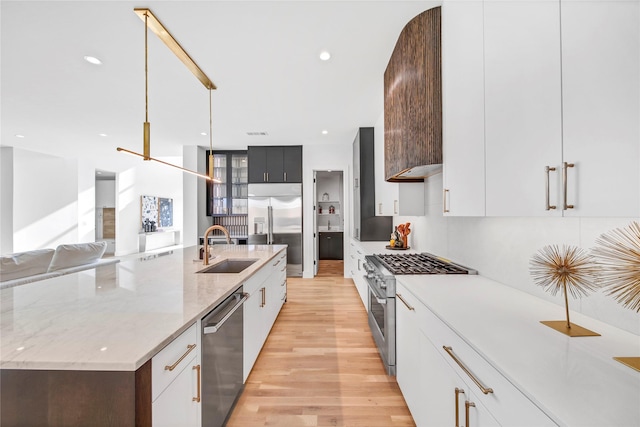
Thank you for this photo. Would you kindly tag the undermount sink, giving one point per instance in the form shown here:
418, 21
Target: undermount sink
229, 266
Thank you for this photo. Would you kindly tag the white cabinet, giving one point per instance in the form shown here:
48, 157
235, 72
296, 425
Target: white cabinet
601, 112
561, 108
175, 382
463, 108
392, 198
356, 258
267, 290
429, 374
409, 362
523, 110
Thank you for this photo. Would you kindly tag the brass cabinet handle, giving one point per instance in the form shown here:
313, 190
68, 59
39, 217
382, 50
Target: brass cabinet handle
466, 370
380, 208
284, 282
285, 177
467, 404
267, 176
395, 207
459, 391
548, 169
445, 193
564, 183
197, 398
190, 348
264, 176
359, 264
405, 302
263, 291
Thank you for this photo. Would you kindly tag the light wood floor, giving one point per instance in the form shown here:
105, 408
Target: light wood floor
320, 366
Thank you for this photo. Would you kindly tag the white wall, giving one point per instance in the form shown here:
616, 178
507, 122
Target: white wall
150, 179
321, 157
45, 201
86, 193
6, 200
500, 249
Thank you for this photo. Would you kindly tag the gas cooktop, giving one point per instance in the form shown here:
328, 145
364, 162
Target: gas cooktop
422, 263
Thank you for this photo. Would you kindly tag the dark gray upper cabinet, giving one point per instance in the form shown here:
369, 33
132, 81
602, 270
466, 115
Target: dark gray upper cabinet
367, 226
275, 164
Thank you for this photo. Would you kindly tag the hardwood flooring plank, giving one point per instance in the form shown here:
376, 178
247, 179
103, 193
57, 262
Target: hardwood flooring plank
320, 365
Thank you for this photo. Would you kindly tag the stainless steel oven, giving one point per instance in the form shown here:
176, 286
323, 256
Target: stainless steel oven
380, 276
382, 319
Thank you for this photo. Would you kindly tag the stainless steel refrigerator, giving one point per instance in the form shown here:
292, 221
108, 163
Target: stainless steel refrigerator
275, 218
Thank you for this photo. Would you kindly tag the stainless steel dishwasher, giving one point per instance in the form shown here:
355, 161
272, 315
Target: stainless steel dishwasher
222, 359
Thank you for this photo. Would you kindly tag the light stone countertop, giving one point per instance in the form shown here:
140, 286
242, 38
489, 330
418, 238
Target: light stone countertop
574, 380
115, 317
374, 248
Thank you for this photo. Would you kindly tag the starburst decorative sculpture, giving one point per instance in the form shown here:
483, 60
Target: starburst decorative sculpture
617, 254
568, 270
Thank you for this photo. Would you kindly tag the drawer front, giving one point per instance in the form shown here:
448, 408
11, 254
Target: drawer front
255, 282
506, 403
169, 356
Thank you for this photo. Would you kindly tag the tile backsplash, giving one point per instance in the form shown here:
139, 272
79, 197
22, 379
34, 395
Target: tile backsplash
500, 249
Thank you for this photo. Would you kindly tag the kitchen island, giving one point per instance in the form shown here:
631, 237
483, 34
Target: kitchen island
105, 325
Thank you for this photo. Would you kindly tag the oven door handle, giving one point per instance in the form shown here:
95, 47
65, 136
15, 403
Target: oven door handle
381, 300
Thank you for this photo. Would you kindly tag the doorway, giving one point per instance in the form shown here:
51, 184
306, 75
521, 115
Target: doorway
105, 189
329, 223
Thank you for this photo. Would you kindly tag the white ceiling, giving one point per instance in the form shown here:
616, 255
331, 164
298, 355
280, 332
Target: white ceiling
262, 55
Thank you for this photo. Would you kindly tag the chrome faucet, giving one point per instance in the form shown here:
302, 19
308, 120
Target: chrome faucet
205, 256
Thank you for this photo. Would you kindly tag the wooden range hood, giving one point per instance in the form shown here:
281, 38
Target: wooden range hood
413, 102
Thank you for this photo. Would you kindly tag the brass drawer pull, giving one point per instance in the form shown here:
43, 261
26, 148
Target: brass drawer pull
264, 297
190, 348
547, 169
484, 389
445, 208
467, 404
564, 184
459, 391
405, 302
197, 398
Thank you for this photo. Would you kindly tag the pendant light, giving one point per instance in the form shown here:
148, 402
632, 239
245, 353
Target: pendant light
150, 21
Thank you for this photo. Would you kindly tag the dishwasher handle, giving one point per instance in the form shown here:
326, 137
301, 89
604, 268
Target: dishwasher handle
215, 327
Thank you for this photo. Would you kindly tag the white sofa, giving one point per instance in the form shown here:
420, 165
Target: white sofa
31, 266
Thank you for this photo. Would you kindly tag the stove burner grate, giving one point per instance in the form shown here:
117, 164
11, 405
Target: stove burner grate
418, 264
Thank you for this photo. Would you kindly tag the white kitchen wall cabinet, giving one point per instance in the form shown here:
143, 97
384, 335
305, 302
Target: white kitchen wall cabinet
601, 111
463, 108
523, 120
393, 198
562, 108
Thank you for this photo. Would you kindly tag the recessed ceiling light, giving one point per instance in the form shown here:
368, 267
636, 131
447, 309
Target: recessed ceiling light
203, 133
92, 60
324, 132
19, 135
325, 56
103, 349
102, 134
